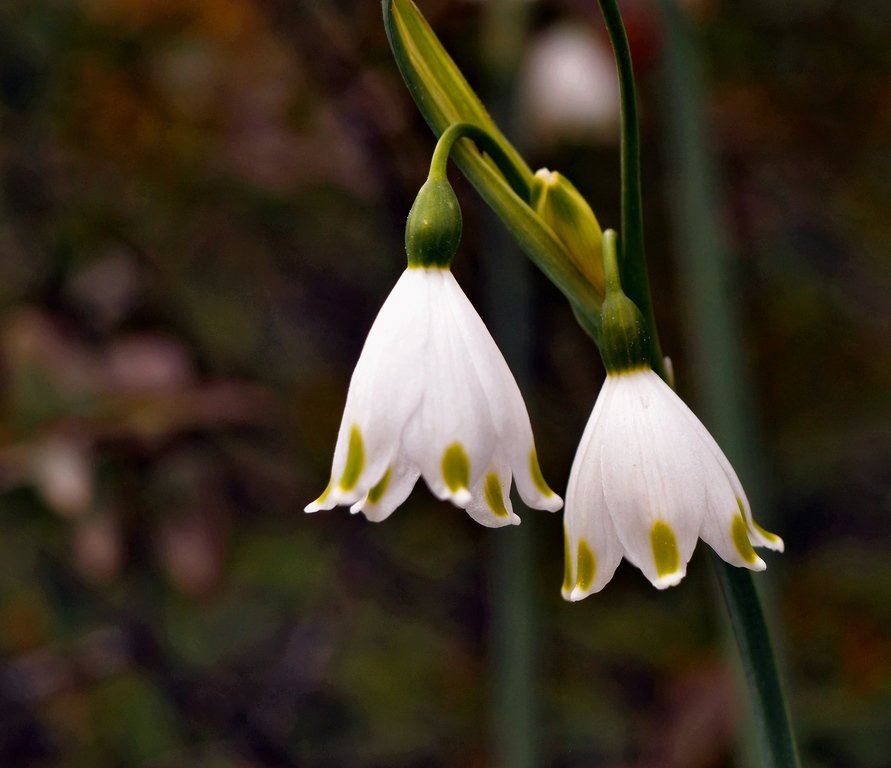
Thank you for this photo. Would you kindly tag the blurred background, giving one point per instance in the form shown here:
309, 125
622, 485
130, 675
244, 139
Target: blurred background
201, 209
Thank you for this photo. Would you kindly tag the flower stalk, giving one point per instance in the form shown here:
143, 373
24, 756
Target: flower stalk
633, 264
741, 599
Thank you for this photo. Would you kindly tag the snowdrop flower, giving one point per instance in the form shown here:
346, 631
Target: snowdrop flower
648, 480
432, 395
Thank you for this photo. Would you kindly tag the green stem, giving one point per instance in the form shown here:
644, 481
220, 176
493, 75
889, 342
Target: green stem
487, 144
634, 265
710, 314
772, 723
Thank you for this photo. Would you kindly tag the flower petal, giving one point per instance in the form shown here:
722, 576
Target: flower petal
384, 392
490, 503
756, 534
388, 493
593, 550
452, 436
505, 402
652, 478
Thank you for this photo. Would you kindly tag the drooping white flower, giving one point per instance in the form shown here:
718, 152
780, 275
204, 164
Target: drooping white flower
647, 482
432, 396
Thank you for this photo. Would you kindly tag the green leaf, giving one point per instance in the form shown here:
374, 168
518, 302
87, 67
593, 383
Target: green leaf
445, 97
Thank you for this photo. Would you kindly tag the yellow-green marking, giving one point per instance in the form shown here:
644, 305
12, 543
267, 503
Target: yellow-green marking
494, 496
587, 566
355, 460
455, 468
376, 493
665, 549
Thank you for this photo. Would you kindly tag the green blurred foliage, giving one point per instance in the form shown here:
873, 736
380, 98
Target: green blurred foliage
201, 208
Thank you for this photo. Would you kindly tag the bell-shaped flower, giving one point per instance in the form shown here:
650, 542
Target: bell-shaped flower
432, 395
648, 480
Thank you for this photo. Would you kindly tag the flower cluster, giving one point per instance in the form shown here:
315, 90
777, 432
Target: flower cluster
432, 397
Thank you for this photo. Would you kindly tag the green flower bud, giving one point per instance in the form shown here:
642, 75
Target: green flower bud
567, 213
433, 229
623, 331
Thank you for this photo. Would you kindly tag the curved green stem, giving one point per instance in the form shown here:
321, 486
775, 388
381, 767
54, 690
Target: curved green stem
633, 265
486, 143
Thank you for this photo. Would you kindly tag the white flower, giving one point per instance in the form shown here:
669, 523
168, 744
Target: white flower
648, 480
432, 396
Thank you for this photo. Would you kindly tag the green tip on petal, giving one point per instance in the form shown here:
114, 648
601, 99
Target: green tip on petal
494, 496
665, 552
740, 533
456, 468
770, 540
378, 491
537, 476
355, 461
324, 495
319, 503
587, 566
774, 541
567, 565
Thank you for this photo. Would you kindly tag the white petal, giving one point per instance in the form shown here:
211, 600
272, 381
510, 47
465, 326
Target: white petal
652, 478
454, 413
432, 392
388, 493
593, 550
724, 527
505, 402
756, 534
384, 391
490, 503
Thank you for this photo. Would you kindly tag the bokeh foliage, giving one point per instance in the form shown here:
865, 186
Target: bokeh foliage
201, 208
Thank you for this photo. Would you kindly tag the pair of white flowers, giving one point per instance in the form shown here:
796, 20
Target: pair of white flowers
432, 396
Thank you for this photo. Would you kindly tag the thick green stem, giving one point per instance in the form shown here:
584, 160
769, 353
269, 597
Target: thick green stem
634, 265
778, 748
713, 331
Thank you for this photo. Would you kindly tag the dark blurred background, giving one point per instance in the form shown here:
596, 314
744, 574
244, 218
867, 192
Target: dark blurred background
201, 209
